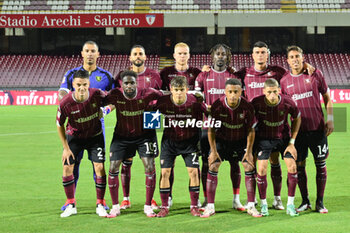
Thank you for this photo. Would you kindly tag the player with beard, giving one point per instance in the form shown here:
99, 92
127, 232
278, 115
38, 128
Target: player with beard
212, 84
146, 78
99, 78
274, 134
129, 137
253, 79
306, 89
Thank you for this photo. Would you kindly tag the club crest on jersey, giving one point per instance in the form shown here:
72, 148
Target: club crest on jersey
281, 113
307, 80
269, 74
140, 101
94, 105
189, 110
98, 78
148, 79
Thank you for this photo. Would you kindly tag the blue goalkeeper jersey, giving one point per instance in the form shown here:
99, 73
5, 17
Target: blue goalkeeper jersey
99, 78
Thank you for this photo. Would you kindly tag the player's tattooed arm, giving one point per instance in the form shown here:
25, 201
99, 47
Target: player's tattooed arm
295, 129
213, 156
329, 126
66, 150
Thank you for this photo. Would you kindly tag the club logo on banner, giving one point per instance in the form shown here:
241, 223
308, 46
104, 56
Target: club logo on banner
150, 19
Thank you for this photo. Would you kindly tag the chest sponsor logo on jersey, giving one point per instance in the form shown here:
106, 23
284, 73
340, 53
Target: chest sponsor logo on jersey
291, 85
216, 91
302, 96
132, 113
273, 124
98, 78
89, 118
256, 85
229, 126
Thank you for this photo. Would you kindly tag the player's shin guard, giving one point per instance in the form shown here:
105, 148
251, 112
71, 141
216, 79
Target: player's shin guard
69, 187
250, 184
125, 177
276, 177
194, 193
302, 183
100, 188
113, 184
321, 179
235, 177
164, 196
262, 186
212, 182
150, 186
292, 183
204, 174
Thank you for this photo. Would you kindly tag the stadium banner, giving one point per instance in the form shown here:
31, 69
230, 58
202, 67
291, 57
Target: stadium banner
80, 20
51, 97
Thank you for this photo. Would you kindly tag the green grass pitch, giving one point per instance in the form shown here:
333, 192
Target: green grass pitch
31, 192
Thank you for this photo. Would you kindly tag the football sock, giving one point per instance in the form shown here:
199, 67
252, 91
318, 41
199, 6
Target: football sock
262, 186
302, 183
164, 196
171, 180
113, 183
150, 186
204, 175
194, 193
69, 187
125, 175
250, 184
321, 179
292, 183
235, 173
276, 177
212, 182
100, 187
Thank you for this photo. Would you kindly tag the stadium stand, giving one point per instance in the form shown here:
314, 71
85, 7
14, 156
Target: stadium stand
39, 71
175, 6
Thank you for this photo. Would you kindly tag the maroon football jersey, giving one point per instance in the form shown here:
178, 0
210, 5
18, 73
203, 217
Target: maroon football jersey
183, 116
305, 90
147, 78
168, 73
83, 117
235, 122
253, 79
212, 84
130, 111
272, 121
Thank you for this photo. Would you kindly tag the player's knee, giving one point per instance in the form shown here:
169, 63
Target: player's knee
193, 173
165, 173
99, 167
291, 165
215, 166
68, 170
262, 170
247, 167
114, 166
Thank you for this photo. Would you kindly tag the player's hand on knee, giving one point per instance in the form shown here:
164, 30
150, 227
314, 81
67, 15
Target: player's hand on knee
329, 127
248, 157
291, 149
213, 157
67, 153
